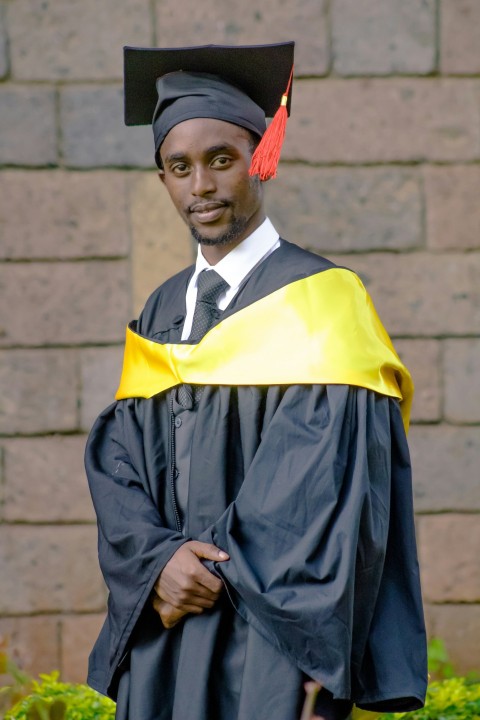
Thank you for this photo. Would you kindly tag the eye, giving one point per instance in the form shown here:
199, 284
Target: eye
221, 161
179, 169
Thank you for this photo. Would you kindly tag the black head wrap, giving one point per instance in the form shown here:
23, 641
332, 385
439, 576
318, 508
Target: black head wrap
186, 95
239, 84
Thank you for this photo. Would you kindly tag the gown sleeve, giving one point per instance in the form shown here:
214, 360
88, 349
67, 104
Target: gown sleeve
322, 546
133, 543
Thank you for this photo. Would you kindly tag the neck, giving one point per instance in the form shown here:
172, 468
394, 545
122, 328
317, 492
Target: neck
214, 253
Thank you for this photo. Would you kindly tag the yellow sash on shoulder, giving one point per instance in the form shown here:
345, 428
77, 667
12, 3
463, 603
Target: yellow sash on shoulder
318, 330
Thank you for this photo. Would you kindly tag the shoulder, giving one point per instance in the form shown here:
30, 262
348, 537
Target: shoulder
285, 265
300, 259
293, 262
171, 287
165, 308
298, 263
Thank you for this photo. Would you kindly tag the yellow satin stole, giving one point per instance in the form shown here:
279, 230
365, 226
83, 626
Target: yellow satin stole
321, 329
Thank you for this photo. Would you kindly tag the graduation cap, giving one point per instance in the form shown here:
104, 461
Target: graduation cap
241, 85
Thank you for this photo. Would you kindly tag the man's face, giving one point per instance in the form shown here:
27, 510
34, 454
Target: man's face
205, 170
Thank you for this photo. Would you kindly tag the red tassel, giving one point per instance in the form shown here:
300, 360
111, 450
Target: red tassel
267, 154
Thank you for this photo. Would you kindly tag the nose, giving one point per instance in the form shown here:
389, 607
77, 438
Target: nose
203, 181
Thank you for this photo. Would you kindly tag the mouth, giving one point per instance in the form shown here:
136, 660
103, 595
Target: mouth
207, 212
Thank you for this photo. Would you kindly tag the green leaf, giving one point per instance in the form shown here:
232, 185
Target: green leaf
439, 664
54, 700
57, 710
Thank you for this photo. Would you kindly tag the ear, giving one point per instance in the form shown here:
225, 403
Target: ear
161, 175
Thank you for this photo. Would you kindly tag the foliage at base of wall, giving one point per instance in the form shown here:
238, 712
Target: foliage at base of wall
448, 697
51, 699
452, 699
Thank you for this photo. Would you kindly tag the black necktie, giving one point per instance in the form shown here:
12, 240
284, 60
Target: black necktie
209, 288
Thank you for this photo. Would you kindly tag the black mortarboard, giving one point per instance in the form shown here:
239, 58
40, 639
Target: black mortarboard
242, 85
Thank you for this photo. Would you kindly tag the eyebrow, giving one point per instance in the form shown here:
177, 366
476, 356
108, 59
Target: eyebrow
219, 148
174, 157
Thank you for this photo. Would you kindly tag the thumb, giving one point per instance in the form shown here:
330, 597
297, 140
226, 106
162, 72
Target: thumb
207, 551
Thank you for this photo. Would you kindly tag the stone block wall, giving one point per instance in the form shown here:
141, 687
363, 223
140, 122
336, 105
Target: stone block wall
381, 171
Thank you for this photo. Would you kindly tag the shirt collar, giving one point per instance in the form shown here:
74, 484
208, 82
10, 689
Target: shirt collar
243, 258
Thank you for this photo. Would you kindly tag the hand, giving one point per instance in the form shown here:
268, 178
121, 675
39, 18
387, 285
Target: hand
169, 615
312, 689
185, 583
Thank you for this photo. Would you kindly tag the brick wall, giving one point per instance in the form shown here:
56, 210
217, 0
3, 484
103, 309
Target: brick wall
381, 172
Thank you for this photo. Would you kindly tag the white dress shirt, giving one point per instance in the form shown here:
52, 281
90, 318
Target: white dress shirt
233, 268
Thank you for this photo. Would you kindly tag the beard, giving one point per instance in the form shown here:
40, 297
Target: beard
237, 225
235, 229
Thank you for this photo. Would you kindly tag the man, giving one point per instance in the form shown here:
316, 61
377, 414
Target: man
252, 482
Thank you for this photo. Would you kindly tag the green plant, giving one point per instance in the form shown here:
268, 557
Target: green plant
439, 665
51, 699
16, 683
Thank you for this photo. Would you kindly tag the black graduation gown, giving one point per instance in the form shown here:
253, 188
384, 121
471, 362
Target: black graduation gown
308, 488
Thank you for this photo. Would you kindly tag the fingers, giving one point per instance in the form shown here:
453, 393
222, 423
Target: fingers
171, 616
188, 598
185, 580
207, 551
178, 586
203, 576
206, 584
168, 615
179, 589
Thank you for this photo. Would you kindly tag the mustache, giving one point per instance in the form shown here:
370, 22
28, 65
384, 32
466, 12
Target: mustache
208, 205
